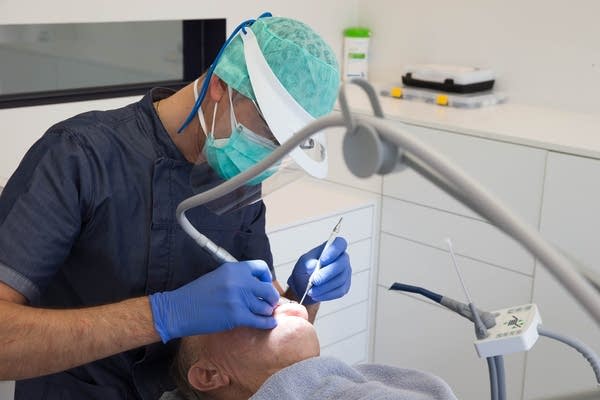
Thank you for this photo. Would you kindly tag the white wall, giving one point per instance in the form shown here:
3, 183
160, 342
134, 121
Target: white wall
544, 52
326, 17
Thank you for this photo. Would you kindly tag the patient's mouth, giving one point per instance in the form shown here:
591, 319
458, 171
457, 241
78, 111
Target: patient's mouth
287, 307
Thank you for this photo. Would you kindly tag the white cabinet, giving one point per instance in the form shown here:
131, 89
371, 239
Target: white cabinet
416, 218
571, 220
472, 238
417, 264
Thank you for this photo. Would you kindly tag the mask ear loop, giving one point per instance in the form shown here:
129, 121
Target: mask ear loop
232, 118
212, 128
201, 113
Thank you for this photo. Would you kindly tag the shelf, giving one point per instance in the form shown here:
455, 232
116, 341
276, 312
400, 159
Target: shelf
544, 128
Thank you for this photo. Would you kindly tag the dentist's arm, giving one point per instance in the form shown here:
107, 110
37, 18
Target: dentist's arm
35, 341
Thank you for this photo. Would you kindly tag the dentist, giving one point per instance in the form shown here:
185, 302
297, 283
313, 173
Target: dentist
97, 279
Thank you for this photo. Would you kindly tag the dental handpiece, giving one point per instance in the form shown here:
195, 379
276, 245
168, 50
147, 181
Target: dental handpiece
332, 236
221, 255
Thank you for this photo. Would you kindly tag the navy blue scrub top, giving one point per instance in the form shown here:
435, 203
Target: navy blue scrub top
88, 218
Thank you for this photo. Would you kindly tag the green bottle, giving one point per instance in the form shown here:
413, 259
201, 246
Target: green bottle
356, 53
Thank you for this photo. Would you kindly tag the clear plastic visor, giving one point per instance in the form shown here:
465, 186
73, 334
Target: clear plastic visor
234, 142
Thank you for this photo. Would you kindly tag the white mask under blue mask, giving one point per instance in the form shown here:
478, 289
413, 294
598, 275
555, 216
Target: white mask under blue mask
241, 150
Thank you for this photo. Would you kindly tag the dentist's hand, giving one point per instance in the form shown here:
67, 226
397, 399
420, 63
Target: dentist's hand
333, 279
235, 294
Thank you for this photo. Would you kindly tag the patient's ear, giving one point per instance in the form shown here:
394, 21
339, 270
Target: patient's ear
205, 377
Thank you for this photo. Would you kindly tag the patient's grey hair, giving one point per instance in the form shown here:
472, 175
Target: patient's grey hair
187, 355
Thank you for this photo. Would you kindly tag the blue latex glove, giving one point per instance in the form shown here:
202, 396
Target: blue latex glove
235, 294
333, 279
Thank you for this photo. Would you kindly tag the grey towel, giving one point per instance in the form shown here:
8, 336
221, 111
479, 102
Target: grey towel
325, 378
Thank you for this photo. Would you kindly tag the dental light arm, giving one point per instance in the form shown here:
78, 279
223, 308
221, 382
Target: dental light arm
373, 146
220, 254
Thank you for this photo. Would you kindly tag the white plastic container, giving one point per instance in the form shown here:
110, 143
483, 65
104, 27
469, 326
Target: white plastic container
356, 53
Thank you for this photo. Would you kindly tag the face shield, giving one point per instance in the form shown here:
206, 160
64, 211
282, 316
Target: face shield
241, 132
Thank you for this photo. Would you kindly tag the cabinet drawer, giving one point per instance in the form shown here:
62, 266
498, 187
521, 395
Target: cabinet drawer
514, 173
470, 237
352, 350
416, 264
290, 243
359, 292
360, 255
343, 324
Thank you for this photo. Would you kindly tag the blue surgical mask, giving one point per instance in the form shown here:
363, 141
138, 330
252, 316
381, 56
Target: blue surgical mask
237, 153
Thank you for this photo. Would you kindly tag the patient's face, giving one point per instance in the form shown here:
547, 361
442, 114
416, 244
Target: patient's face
249, 356
292, 340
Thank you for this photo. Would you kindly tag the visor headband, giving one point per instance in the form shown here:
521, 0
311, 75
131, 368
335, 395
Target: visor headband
284, 115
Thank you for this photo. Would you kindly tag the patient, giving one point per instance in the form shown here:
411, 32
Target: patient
283, 364
234, 364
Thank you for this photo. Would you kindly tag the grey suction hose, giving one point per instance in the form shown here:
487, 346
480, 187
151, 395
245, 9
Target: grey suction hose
493, 378
578, 345
499, 360
458, 307
463, 309
496, 390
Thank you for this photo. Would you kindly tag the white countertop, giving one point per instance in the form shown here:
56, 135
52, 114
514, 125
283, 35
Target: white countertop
309, 199
550, 129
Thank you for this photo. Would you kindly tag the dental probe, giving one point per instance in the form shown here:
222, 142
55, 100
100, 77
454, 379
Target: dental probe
332, 236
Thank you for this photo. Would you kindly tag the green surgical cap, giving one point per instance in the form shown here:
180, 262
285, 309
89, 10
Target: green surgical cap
302, 61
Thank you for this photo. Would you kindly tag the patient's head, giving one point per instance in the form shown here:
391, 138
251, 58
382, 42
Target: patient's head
235, 363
